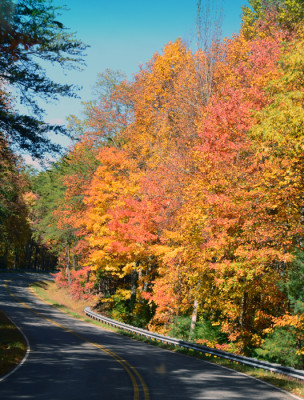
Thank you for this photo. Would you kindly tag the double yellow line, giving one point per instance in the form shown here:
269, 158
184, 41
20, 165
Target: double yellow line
131, 371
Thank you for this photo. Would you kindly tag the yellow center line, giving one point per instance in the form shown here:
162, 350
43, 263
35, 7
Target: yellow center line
127, 367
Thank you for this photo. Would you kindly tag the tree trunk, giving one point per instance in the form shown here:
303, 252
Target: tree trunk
243, 308
242, 318
134, 279
5, 256
15, 257
193, 318
36, 256
68, 262
74, 262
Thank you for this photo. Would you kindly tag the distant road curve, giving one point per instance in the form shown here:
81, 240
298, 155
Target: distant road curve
70, 359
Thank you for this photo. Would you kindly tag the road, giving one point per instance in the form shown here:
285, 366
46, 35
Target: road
70, 359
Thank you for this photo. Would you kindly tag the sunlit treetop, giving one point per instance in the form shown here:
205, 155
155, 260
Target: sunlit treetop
285, 14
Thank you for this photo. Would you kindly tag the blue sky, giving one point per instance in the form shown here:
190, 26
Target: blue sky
123, 34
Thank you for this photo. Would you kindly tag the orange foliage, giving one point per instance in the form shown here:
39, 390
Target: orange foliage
191, 196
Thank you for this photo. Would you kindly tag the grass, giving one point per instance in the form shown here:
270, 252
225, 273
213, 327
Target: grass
61, 299
12, 345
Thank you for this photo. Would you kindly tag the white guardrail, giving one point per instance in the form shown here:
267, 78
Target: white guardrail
253, 362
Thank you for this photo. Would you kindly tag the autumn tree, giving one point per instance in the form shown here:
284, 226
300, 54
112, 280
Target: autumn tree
215, 236
14, 228
271, 14
108, 114
208, 27
191, 205
279, 132
104, 118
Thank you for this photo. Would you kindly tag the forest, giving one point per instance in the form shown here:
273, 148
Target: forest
179, 207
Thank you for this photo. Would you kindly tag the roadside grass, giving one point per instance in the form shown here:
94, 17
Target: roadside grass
12, 345
60, 298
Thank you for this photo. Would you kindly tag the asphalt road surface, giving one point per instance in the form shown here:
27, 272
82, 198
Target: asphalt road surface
70, 359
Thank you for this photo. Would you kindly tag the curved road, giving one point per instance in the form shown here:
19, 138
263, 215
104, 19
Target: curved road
70, 359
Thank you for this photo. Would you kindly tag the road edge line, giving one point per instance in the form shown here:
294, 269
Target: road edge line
187, 355
28, 350
244, 374
265, 382
127, 367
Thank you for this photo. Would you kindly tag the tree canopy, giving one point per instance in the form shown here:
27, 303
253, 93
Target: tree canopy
30, 36
181, 205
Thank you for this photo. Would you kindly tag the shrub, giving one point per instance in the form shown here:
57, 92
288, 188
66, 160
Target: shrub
204, 333
280, 346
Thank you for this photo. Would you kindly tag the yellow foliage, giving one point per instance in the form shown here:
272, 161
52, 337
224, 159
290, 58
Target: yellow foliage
123, 293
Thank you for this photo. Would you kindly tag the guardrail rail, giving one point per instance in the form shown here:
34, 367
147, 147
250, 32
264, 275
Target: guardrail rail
253, 362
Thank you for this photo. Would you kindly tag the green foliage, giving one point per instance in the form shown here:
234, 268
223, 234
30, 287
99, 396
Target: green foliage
141, 314
49, 188
281, 347
30, 34
123, 310
119, 309
180, 327
211, 333
291, 12
204, 331
294, 285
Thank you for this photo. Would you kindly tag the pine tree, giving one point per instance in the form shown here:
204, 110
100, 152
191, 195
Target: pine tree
30, 34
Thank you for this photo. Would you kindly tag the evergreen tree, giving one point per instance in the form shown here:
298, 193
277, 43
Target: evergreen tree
29, 35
